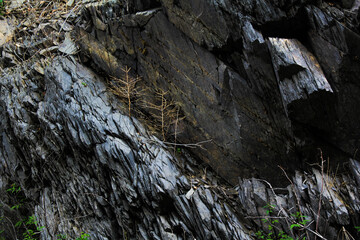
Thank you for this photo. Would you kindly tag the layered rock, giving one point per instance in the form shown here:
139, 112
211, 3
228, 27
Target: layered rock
266, 95
124, 182
260, 84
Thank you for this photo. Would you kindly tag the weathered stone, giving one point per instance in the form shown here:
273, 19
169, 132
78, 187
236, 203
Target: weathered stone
298, 72
6, 30
262, 83
127, 160
309, 191
221, 98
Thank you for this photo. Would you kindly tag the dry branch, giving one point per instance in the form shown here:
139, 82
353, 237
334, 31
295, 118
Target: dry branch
126, 87
165, 111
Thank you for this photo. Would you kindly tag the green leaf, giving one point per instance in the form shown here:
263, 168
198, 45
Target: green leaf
294, 225
40, 228
31, 220
19, 223
28, 232
16, 206
61, 237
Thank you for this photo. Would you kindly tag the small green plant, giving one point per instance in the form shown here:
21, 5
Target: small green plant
61, 237
2, 7
269, 209
272, 222
28, 225
14, 188
357, 228
300, 220
83, 236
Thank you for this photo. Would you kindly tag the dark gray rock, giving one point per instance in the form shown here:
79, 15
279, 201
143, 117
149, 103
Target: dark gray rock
308, 192
261, 83
105, 161
222, 77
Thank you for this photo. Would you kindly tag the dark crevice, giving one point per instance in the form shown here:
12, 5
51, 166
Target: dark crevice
143, 5
314, 122
314, 140
166, 204
230, 53
296, 27
289, 71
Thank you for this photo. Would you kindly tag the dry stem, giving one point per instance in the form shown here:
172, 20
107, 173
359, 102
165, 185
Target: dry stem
166, 109
321, 191
125, 87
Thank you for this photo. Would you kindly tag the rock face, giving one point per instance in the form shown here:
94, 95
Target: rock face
90, 153
239, 67
260, 84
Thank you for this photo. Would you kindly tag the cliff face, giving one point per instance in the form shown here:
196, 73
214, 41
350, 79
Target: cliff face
256, 84
262, 80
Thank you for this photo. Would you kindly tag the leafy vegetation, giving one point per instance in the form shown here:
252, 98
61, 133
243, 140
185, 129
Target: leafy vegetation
2, 7
83, 236
301, 220
30, 234
27, 226
273, 232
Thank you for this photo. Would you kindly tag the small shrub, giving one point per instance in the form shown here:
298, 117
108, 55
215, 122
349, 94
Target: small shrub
272, 226
61, 237
27, 226
83, 236
301, 220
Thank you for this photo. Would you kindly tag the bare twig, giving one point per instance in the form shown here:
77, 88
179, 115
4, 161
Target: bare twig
188, 145
271, 188
176, 125
321, 192
314, 232
262, 217
295, 193
166, 111
12, 226
62, 26
293, 186
345, 235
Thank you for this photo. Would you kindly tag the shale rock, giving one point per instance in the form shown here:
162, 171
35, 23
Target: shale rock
86, 151
258, 84
320, 198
